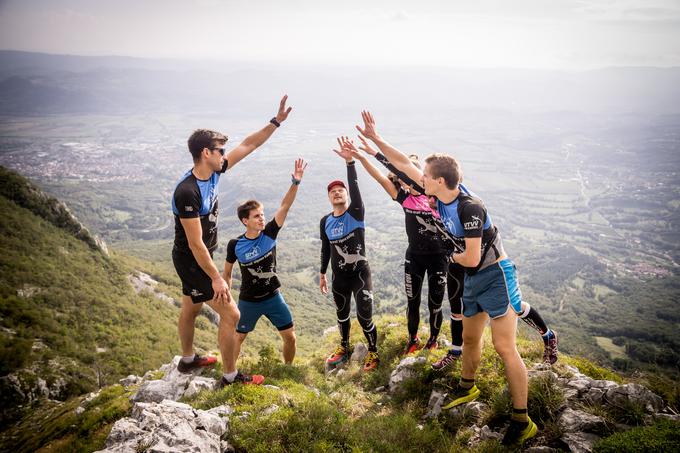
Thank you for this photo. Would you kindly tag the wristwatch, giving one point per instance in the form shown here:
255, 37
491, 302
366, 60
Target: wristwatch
274, 122
296, 182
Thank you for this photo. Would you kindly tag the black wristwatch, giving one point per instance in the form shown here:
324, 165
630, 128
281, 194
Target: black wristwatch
274, 122
296, 182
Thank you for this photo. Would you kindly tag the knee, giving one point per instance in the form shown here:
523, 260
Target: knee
290, 338
471, 340
506, 350
229, 314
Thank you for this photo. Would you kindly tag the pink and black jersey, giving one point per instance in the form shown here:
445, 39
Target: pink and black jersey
424, 237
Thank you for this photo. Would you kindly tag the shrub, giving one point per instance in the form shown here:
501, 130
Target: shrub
663, 436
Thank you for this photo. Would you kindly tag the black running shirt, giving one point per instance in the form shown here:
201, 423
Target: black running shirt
257, 260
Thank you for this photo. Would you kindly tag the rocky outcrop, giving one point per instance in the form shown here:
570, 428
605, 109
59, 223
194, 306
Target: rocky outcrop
580, 429
405, 371
172, 386
168, 426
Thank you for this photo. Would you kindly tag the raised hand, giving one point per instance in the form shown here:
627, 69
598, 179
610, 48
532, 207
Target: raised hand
345, 151
369, 126
283, 111
365, 147
300, 166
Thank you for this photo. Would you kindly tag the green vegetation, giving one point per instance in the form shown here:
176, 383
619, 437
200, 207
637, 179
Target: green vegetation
664, 435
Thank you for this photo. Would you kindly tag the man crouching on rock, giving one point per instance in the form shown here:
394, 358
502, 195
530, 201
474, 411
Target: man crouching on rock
194, 204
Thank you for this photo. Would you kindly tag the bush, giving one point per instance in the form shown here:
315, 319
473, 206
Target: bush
663, 436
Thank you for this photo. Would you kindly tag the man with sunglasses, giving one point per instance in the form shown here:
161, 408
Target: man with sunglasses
194, 204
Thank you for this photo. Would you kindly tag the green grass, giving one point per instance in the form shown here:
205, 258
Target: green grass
662, 436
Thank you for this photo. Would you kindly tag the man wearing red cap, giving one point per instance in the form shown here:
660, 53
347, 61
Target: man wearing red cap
342, 244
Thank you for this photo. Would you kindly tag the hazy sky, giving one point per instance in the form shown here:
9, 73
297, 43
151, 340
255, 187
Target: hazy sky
567, 34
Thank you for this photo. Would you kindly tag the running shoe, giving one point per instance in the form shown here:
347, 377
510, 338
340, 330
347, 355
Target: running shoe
431, 344
446, 361
550, 349
241, 378
371, 361
340, 355
198, 362
412, 346
461, 395
518, 432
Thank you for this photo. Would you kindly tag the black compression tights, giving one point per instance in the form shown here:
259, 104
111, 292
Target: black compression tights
415, 267
454, 283
357, 284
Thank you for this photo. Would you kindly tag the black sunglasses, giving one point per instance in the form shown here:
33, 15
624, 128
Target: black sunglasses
221, 150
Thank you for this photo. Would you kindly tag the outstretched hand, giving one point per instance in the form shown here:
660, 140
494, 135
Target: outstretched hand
347, 149
365, 147
369, 126
300, 166
283, 111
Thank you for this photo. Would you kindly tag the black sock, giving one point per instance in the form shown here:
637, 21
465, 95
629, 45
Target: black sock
519, 415
466, 383
344, 333
533, 318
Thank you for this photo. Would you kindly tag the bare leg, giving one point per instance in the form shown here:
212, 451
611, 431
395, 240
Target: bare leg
503, 331
185, 326
226, 333
289, 341
473, 328
240, 338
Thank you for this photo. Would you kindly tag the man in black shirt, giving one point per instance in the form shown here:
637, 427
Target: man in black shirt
255, 251
194, 204
342, 244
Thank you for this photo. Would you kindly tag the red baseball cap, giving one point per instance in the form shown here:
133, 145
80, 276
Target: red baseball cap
337, 182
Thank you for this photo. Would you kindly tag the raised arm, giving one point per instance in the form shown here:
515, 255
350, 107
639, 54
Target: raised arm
256, 139
396, 157
356, 205
289, 198
371, 169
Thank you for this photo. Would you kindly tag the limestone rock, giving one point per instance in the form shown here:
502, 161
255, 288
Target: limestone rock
580, 442
407, 369
634, 393
130, 380
359, 353
434, 406
167, 426
572, 420
198, 384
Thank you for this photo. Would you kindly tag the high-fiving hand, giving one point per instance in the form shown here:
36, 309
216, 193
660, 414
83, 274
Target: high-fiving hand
283, 111
300, 166
369, 126
347, 150
365, 147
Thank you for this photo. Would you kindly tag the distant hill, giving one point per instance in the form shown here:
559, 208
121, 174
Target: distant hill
70, 321
34, 83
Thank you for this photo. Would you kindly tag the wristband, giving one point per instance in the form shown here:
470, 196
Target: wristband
296, 182
274, 122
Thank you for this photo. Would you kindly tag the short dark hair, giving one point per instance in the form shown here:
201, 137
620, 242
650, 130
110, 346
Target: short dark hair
445, 166
204, 138
243, 211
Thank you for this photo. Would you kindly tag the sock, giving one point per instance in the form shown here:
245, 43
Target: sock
456, 350
534, 320
412, 338
466, 383
457, 332
548, 335
188, 358
230, 376
519, 415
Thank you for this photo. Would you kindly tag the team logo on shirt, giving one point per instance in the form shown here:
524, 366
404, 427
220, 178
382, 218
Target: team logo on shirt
338, 229
188, 208
476, 222
254, 253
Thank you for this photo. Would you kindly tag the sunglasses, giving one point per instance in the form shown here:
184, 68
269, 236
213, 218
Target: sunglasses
221, 150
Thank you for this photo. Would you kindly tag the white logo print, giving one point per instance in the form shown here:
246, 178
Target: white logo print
196, 293
338, 230
188, 208
255, 252
476, 221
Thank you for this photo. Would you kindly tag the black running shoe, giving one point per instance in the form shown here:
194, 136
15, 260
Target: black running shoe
241, 378
446, 361
518, 432
550, 349
198, 362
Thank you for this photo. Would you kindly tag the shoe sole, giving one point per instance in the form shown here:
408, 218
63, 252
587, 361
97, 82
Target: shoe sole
463, 399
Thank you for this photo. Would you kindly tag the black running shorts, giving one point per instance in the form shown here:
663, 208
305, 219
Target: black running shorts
195, 282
